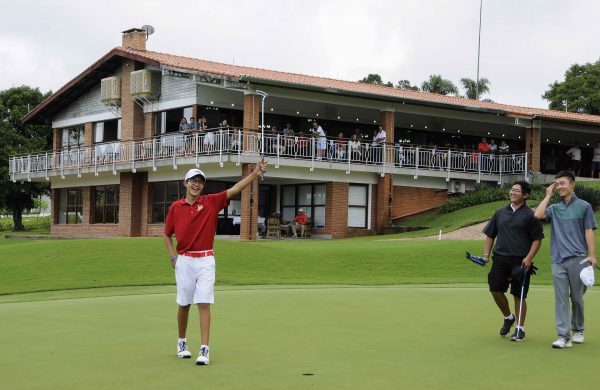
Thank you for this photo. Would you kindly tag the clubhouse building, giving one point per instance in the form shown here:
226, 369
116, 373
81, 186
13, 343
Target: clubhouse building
120, 150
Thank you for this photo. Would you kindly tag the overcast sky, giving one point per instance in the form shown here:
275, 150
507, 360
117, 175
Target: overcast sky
525, 44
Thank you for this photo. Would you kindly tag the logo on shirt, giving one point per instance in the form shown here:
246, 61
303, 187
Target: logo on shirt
200, 207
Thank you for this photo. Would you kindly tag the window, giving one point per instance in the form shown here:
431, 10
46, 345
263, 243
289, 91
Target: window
165, 193
70, 206
309, 197
358, 200
107, 131
106, 199
72, 137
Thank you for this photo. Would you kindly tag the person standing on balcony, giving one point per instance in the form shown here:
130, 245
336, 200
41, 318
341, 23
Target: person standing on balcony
596, 161
575, 154
183, 125
340, 146
193, 221
321, 140
355, 153
288, 138
378, 142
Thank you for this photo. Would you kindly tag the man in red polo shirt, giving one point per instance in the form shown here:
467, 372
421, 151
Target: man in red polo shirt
193, 220
299, 222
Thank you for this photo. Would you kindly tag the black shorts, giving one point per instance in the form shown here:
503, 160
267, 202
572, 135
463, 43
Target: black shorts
500, 275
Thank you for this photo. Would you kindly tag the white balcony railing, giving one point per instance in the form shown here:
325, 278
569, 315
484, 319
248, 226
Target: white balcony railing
232, 144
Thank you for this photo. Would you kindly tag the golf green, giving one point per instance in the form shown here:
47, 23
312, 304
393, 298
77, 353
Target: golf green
410, 337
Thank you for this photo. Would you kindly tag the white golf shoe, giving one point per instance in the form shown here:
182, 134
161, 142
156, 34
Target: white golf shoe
562, 343
578, 337
182, 351
203, 356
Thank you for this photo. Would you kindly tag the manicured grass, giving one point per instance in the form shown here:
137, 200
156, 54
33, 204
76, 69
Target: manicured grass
42, 265
347, 338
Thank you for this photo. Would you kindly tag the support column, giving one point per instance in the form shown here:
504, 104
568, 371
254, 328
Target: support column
252, 105
130, 203
533, 146
148, 125
336, 209
56, 139
87, 206
386, 119
249, 207
88, 134
385, 194
132, 115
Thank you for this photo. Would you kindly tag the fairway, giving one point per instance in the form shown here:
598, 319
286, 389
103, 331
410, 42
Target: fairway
412, 337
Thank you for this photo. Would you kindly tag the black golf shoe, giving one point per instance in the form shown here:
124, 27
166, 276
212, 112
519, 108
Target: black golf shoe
506, 326
519, 335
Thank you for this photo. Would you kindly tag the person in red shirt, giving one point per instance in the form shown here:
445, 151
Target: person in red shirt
483, 146
193, 221
299, 222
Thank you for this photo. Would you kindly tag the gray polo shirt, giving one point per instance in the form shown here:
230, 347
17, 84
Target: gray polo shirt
568, 223
514, 231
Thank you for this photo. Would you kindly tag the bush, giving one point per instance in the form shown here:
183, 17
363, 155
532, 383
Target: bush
486, 193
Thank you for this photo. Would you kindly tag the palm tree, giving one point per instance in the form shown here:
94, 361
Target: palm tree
437, 84
470, 87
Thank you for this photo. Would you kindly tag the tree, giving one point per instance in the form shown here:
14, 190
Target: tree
405, 84
579, 92
470, 87
437, 84
15, 139
374, 78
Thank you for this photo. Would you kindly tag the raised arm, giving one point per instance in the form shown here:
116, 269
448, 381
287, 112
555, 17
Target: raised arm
540, 211
240, 185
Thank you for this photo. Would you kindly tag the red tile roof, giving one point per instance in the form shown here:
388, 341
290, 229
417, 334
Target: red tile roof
234, 71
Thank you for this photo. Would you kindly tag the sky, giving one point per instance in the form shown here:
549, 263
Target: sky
525, 44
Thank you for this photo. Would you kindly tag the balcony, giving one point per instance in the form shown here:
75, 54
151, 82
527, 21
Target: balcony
238, 146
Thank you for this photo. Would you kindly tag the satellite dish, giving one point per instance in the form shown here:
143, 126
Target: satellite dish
148, 29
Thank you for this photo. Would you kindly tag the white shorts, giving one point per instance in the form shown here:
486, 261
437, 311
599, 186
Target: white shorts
195, 277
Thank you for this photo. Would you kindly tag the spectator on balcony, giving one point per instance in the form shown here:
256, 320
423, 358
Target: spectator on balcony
493, 147
503, 148
203, 124
288, 131
209, 137
596, 160
299, 222
183, 125
274, 142
575, 154
302, 143
355, 153
359, 133
321, 140
192, 125
483, 146
378, 142
340, 146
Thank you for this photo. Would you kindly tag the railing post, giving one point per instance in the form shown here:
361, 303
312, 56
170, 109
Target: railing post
382, 160
46, 165
62, 164
78, 162
449, 163
114, 169
417, 155
239, 148
221, 148
312, 154
174, 153
154, 154
349, 157
278, 150
197, 148
526, 166
479, 167
133, 170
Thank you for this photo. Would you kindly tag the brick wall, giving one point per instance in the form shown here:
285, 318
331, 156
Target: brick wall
383, 214
336, 210
386, 119
56, 139
148, 125
533, 147
132, 115
130, 203
88, 134
252, 105
134, 40
249, 215
409, 200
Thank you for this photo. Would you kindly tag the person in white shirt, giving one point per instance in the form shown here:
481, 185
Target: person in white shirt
575, 154
321, 140
378, 142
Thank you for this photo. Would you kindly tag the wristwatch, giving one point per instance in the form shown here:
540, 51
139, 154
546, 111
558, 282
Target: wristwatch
173, 258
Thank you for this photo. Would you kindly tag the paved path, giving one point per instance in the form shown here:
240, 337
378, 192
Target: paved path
472, 232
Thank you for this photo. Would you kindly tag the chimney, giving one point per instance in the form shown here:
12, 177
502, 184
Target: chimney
134, 38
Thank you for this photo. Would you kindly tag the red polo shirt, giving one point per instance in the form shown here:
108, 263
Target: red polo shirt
195, 225
301, 219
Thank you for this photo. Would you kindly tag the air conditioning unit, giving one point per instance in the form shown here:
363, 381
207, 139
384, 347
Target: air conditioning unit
145, 84
110, 90
456, 187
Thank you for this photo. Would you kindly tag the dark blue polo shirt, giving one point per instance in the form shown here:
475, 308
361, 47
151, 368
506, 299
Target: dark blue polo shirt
514, 231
